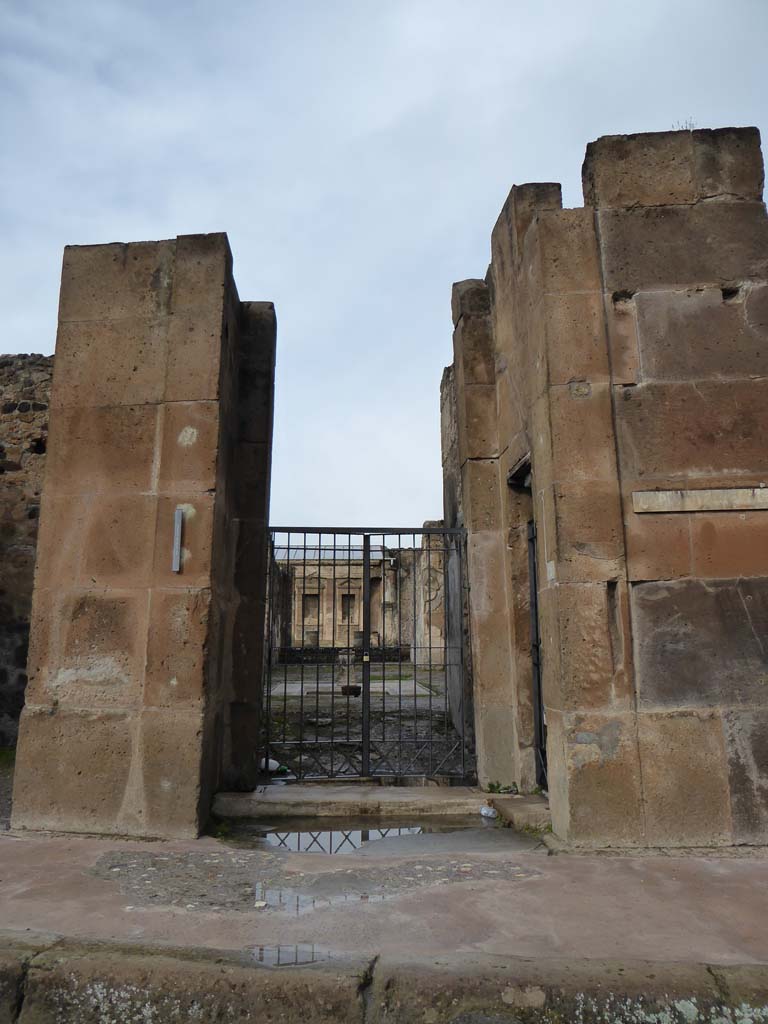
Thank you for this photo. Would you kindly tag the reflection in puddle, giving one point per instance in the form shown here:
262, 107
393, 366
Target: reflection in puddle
290, 956
341, 835
332, 841
292, 902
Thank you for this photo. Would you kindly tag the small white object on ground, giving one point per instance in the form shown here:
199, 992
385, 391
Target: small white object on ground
488, 810
270, 765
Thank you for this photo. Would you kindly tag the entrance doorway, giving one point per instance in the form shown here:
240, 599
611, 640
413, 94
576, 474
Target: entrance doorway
364, 673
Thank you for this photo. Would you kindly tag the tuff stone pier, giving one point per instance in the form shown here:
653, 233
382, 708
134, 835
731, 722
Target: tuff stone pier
143, 694
610, 388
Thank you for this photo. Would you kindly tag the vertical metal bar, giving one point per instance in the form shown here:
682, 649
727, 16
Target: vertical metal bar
428, 538
383, 640
291, 603
366, 654
462, 656
266, 701
333, 659
319, 641
399, 653
415, 635
350, 657
301, 656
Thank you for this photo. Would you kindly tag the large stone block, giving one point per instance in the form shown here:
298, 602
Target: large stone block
516, 216
250, 482
746, 740
509, 407
473, 350
477, 422
470, 298
113, 282
193, 365
63, 525
703, 332
582, 432
569, 251
203, 275
602, 774
72, 769
88, 650
480, 487
621, 325
729, 163
119, 543
685, 779
101, 449
190, 444
701, 643
658, 546
652, 169
684, 431
684, 246
182, 642
729, 544
591, 647
172, 751
664, 168
110, 362
590, 542
576, 343
496, 742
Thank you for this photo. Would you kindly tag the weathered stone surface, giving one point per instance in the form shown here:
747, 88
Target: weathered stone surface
701, 643
684, 246
589, 648
478, 438
117, 281
71, 766
473, 350
189, 449
602, 772
576, 343
688, 430
480, 486
119, 540
178, 647
569, 253
97, 985
175, 788
653, 169
590, 544
469, 298
727, 544
685, 779
658, 546
703, 333
135, 374
664, 168
196, 540
746, 741
102, 449
621, 325
582, 432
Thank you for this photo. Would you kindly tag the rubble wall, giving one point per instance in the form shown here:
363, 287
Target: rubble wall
629, 341
25, 384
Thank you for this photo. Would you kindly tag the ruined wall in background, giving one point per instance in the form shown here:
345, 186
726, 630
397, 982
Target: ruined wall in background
25, 385
629, 342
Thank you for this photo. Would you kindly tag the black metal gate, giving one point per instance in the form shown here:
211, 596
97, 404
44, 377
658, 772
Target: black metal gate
365, 653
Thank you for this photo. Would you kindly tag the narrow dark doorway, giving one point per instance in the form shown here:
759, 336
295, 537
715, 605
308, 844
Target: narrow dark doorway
539, 716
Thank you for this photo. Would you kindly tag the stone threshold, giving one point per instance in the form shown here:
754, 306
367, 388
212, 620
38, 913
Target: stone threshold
337, 800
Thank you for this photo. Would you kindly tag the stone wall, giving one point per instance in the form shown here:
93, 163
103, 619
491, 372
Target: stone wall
25, 384
620, 351
143, 695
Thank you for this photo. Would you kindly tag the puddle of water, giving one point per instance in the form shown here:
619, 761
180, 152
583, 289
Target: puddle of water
344, 836
290, 956
292, 902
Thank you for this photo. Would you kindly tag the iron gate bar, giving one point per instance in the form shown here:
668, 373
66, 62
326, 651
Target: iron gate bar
366, 655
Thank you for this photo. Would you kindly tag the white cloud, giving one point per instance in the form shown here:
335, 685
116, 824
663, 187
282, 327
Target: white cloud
357, 153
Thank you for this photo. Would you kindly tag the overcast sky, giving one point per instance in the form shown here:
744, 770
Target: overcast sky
357, 153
